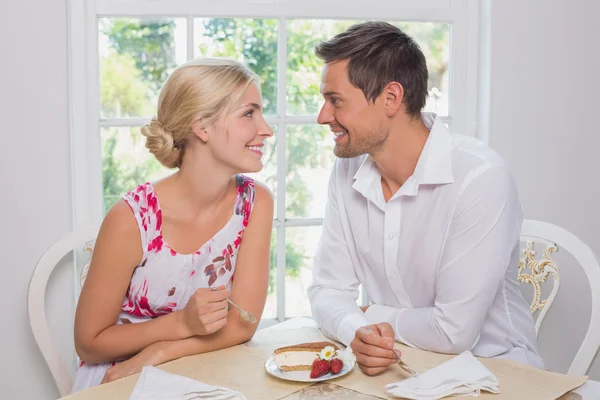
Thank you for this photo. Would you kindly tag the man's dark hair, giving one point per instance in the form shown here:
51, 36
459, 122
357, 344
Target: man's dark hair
379, 53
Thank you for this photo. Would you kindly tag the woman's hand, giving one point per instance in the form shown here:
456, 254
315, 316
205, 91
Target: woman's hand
151, 355
206, 311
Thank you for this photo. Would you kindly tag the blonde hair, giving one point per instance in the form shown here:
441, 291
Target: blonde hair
200, 89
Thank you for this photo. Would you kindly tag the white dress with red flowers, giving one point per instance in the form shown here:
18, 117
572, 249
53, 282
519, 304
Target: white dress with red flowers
165, 280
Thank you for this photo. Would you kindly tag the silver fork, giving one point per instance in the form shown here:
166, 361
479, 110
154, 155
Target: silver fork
403, 365
244, 315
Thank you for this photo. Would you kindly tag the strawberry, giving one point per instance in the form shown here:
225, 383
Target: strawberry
336, 365
319, 368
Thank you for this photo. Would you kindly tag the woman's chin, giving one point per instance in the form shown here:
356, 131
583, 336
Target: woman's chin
251, 168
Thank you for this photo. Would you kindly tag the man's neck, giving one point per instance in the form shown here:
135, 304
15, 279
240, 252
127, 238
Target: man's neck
397, 160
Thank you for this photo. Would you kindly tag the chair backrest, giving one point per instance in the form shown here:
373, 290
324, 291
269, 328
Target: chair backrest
535, 268
36, 304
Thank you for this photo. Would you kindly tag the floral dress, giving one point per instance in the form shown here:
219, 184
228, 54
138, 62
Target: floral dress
164, 280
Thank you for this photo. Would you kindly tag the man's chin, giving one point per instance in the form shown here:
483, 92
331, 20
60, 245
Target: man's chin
344, 152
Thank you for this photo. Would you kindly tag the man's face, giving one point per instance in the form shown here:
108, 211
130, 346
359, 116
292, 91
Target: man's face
359, 125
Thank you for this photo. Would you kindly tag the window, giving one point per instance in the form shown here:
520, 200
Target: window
123, 53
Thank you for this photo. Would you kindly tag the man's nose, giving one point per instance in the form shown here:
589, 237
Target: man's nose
325, 115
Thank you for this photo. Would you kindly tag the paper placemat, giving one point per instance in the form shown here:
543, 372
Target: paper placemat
241, 368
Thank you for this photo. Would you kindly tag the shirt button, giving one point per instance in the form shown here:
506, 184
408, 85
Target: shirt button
392, 275
391, 236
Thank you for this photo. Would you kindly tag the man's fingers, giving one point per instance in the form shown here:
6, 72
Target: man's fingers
375, 329
385, 329
369, 336
370, 370
360, 347
372, 362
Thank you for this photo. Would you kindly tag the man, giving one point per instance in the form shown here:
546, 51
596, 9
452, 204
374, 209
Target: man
427, 222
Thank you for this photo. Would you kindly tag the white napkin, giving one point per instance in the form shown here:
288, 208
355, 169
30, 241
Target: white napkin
156, 384
464, 375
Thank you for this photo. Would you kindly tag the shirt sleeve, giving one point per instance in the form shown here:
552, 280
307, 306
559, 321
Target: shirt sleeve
334, 290
483, 233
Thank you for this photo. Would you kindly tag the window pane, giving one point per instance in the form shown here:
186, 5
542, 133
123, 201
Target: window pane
270, 310
126, 163
252, 41
136, 56
434, 40
304, 68
309, 161
301, 245
268, 175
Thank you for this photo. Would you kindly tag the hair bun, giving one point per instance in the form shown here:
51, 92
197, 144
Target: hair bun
160, 143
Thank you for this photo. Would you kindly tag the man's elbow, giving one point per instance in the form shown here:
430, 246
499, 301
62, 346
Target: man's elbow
458, 343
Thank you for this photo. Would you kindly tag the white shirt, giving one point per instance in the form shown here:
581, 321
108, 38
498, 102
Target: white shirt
439, 260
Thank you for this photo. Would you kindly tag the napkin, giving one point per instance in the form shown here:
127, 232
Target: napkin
463, 375
156, 384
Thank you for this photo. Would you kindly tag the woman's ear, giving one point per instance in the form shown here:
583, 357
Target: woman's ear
200, 131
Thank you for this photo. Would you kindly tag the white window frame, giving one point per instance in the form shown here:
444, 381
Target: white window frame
85, 121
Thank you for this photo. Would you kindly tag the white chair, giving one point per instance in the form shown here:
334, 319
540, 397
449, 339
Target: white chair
537, 271
36, 304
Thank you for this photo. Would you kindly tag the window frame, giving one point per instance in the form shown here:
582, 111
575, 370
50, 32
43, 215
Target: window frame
84, 90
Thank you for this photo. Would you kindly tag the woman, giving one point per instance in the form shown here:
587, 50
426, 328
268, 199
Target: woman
167, 253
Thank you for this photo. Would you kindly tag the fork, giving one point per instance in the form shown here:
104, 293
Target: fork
400, 363
244, 315
403, 365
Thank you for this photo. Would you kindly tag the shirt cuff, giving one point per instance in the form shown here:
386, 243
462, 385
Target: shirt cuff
347, 328
377, 313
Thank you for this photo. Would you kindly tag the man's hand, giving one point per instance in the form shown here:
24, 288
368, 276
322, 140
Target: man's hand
372, 345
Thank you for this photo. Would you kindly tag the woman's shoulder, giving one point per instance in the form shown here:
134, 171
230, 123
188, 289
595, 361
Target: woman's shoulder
257, 189
263, 192
140, 194
121, 221
263, 199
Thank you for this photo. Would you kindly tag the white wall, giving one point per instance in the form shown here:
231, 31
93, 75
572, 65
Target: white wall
545, 92
35, 175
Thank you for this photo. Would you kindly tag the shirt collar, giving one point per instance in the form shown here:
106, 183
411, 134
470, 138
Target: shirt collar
435, 163
434, 166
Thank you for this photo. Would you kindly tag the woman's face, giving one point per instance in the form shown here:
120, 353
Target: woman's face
239, 134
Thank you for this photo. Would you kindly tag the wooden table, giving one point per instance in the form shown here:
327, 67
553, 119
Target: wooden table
249, 377
330, 391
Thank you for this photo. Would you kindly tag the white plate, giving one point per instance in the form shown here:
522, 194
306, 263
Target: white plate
304, 376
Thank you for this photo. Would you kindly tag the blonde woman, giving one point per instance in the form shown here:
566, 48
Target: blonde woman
170, 253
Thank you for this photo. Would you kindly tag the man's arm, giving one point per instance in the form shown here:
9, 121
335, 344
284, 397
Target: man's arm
334, 290
483, 233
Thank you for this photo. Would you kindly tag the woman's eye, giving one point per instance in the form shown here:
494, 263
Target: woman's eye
249, 113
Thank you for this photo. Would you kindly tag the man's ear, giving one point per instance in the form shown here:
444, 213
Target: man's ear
199, 130
393, 94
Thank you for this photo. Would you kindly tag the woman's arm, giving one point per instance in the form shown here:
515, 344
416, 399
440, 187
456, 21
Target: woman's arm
249, 288
117, 252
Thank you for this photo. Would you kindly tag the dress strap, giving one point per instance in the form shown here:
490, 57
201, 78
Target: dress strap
144, 205
245, 197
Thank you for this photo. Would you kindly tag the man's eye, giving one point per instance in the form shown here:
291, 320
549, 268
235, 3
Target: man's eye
334, 100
